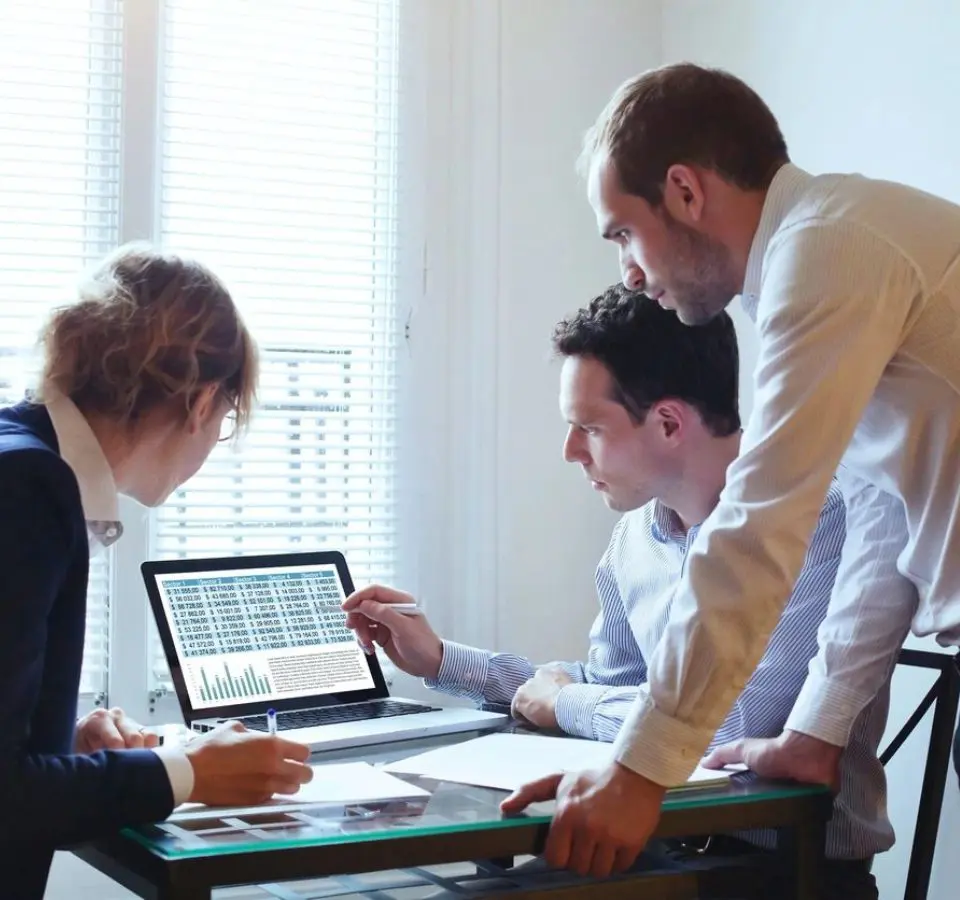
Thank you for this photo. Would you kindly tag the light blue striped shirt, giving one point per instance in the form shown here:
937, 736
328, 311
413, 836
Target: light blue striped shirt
635, 584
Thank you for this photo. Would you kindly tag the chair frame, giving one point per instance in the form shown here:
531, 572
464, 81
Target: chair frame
944, 697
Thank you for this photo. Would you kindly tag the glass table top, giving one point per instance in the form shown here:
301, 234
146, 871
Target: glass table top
450, 808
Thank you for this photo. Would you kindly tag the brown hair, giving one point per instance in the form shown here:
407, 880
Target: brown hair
684, 113
148, 329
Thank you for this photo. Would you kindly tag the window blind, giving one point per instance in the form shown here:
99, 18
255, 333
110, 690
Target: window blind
59, 197
279, 170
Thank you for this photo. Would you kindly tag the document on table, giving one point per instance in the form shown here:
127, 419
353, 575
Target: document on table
506, 761
357, 782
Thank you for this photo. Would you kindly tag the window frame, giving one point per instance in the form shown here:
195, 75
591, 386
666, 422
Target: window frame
130, 652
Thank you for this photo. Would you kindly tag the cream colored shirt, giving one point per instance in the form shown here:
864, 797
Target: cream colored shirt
80, 449
854, 286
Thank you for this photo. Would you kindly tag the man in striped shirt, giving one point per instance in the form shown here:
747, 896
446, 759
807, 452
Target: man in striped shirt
653, 422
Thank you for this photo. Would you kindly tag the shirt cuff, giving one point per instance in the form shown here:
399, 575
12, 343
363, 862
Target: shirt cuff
461, 669
657, 746
575, 707
826, 710
179, 771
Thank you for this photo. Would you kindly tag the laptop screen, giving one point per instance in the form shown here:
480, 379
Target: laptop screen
254, 635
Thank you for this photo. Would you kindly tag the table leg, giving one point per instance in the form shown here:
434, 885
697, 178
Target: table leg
185, 892
802, 849
494, 868
503, 862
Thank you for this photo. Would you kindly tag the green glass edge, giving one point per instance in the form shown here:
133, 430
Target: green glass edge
261, 846
678, 802
693, 799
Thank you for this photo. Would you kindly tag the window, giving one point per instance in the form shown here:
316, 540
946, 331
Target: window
278, 169
60, 101
261, 138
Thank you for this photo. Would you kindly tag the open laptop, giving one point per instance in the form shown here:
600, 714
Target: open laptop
246, 634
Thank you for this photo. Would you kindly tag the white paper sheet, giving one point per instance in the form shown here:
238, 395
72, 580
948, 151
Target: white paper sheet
507, 761
357, 782
353, 783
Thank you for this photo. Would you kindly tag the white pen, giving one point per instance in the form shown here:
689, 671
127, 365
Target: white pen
271, 722
408, 609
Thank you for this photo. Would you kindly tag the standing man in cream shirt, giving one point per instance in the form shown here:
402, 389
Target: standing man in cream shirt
854, 288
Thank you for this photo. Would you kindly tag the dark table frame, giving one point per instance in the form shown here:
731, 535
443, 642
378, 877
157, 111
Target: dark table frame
799, 819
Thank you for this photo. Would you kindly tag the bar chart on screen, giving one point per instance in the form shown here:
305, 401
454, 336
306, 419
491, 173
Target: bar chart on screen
216, 680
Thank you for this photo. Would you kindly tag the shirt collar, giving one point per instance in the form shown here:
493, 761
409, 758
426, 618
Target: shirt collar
667, 527
81, 450
785, 190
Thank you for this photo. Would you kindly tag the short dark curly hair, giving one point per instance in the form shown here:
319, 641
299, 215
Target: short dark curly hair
651, 356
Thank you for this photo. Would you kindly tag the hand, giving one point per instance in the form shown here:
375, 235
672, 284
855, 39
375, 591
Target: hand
536, 699
409, 641
604, 817
111, 729
792, 755
236, 767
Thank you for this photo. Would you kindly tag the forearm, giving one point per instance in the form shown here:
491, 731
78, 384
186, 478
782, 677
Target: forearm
480, 675
60, 800
594, 711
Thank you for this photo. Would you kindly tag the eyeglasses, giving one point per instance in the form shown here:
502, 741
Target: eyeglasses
228, 427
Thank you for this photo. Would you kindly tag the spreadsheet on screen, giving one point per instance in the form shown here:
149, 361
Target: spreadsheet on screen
262, 634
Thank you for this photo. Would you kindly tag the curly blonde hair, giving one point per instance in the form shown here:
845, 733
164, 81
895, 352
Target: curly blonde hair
149, 329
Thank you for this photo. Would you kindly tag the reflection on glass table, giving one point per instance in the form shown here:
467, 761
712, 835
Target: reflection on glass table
451, 808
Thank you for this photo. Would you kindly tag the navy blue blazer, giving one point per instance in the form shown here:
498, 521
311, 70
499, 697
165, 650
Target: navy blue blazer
49, 796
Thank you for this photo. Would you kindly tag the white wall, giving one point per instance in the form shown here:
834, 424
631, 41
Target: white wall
858, 85
552, 527
516, 249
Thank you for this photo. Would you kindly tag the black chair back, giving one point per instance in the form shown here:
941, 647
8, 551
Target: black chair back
944, 696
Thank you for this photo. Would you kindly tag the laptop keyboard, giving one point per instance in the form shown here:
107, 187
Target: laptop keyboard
333, 715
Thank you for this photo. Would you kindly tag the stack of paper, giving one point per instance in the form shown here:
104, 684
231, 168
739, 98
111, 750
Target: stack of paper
341, 783
507, 761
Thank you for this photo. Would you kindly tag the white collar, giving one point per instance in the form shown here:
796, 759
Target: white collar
81, 450
666, 525
785, 190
